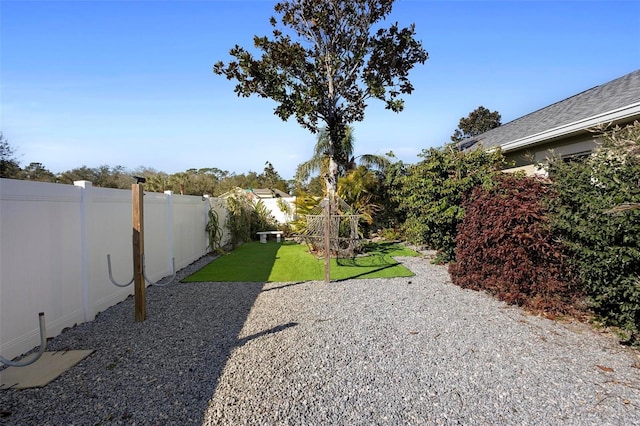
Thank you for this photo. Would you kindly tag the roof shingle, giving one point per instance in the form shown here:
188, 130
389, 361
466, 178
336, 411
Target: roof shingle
618, 93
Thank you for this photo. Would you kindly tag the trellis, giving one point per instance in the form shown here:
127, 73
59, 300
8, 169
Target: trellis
343, 230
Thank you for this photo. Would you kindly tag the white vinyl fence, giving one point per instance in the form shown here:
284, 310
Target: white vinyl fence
54, 242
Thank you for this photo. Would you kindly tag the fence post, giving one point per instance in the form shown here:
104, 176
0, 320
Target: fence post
85, 202
207, 207
137, 195
170, 255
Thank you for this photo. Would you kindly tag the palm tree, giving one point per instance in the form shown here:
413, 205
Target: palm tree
358, 189
343, 157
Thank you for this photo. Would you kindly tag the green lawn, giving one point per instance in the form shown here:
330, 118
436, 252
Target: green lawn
290, 262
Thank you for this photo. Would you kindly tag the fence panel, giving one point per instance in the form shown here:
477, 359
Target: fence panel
54, 242
40, 246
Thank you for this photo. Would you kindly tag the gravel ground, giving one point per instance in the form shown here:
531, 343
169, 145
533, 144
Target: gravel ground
406, 351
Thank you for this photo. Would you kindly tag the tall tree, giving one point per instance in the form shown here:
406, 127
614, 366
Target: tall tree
478, 121
324, 61
9, 166
270, 178
37, 172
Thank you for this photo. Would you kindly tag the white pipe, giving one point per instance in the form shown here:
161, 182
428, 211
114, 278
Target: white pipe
43, 347
114, 282
173, 273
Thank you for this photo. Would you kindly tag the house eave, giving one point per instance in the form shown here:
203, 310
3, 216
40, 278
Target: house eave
610, 117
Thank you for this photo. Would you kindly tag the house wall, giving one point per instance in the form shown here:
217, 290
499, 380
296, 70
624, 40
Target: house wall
281, 217
54, 241
562, 147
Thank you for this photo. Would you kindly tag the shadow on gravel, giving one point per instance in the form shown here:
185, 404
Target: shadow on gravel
160, 371
284, 286
245, 340
382, 268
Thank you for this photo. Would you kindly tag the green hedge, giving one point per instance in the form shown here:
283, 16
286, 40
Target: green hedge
430, 194
596, 216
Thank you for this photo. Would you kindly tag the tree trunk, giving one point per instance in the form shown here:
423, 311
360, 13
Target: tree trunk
331, 179
331, 187
326, 215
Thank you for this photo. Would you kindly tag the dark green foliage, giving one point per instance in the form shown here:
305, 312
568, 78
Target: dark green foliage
323, 61
9, 166
431, 194
479, 121
239, 217
37, 172
103, 176
604, 244
391, 216
505, 247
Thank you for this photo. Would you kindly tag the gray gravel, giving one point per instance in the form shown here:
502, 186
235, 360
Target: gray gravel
406, 351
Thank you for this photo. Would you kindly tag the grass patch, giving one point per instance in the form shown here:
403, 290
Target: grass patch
290, 262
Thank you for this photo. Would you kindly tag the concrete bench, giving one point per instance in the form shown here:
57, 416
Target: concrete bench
263, 235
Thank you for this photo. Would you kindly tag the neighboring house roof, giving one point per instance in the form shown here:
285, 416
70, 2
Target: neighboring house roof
269, 193
617, 101
258, 192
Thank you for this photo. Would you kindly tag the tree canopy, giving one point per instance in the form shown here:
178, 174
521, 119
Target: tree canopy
478, 121
324, 61
9, 165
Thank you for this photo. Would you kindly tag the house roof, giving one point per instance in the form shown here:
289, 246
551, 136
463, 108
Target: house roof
258, 192
613, 102
269, 193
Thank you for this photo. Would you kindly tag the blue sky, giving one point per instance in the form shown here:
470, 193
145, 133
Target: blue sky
130, 83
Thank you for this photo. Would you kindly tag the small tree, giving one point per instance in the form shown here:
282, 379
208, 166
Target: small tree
238, 222
477, 122
431, 194
358, 189
391, 215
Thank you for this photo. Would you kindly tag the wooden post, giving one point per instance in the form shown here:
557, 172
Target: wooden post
137, 195
327, 241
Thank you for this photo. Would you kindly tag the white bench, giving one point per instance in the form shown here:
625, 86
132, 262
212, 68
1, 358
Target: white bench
263, 235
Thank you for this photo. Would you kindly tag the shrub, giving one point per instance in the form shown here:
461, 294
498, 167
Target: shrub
431, 194
262, 219
505, 247
602, 235
246, 218
214, 231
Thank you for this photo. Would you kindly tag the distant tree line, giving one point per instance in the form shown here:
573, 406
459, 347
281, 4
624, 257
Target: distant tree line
210, 180
374, 185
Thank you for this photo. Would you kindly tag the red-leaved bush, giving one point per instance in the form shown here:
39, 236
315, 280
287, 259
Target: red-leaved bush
505, 247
